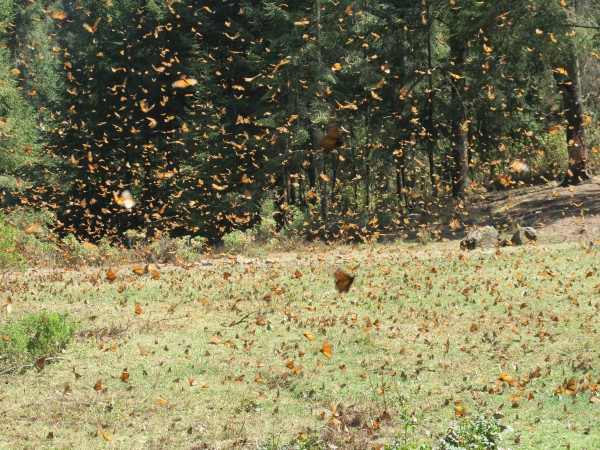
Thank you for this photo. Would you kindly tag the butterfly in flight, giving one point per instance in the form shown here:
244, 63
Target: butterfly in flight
519, 166
184, 83
343, 281
331, 138
124, 199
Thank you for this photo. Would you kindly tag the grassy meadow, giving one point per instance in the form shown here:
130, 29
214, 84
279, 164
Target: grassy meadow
229, 352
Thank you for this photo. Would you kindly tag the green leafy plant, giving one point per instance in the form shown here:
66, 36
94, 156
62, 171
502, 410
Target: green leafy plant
75, 252
481, 433
237, 240
9, 257
39, 335
399, 444
405, 440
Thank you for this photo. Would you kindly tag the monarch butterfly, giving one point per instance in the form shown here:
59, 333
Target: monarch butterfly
343, 281
331, 138
125, 199
93, 28
519, 166
184, 82
34, 229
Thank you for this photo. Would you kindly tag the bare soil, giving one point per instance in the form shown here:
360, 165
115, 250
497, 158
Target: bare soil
560, 214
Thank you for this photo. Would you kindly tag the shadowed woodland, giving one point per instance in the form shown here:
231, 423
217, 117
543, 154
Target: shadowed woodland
317, 119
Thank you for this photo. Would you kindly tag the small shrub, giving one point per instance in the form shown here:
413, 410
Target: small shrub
266, 229
108, 251
549, 161
37, 335
23, 218
10, 258
164, 250
135, 238
481, 433
19, 249
191, 248
237, 240
75, 252
300, 223
167, 249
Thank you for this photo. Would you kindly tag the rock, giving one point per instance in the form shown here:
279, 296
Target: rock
517, 239
527, 233
530, 233
504, 243
482, 237
485, 236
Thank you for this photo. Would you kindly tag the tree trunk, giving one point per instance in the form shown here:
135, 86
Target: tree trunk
320, 169
570, 88
319, 154
459, 124
429, 126
400, 182
367, 160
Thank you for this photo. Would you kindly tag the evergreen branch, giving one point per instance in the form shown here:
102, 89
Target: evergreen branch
574, 25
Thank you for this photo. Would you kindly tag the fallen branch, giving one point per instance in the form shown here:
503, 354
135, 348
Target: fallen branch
20, 369
243, 319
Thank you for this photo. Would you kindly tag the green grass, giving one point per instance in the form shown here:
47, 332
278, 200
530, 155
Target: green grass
424, 334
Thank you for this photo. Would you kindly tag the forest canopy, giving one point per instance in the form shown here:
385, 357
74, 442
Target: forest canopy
321, 118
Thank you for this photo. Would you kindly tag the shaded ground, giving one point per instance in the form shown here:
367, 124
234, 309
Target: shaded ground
570, 214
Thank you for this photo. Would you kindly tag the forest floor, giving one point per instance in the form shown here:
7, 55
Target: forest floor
255, 350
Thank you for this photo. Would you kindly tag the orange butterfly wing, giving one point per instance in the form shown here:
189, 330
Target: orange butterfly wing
184, 82
331, 138
343, 281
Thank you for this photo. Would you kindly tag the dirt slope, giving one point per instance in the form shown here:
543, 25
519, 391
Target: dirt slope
560, 214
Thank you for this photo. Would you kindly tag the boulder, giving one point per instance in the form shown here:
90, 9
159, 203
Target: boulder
527, 233
530, 233
485, 236
482, 237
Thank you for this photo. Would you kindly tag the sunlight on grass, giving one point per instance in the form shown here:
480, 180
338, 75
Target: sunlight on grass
218, 354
